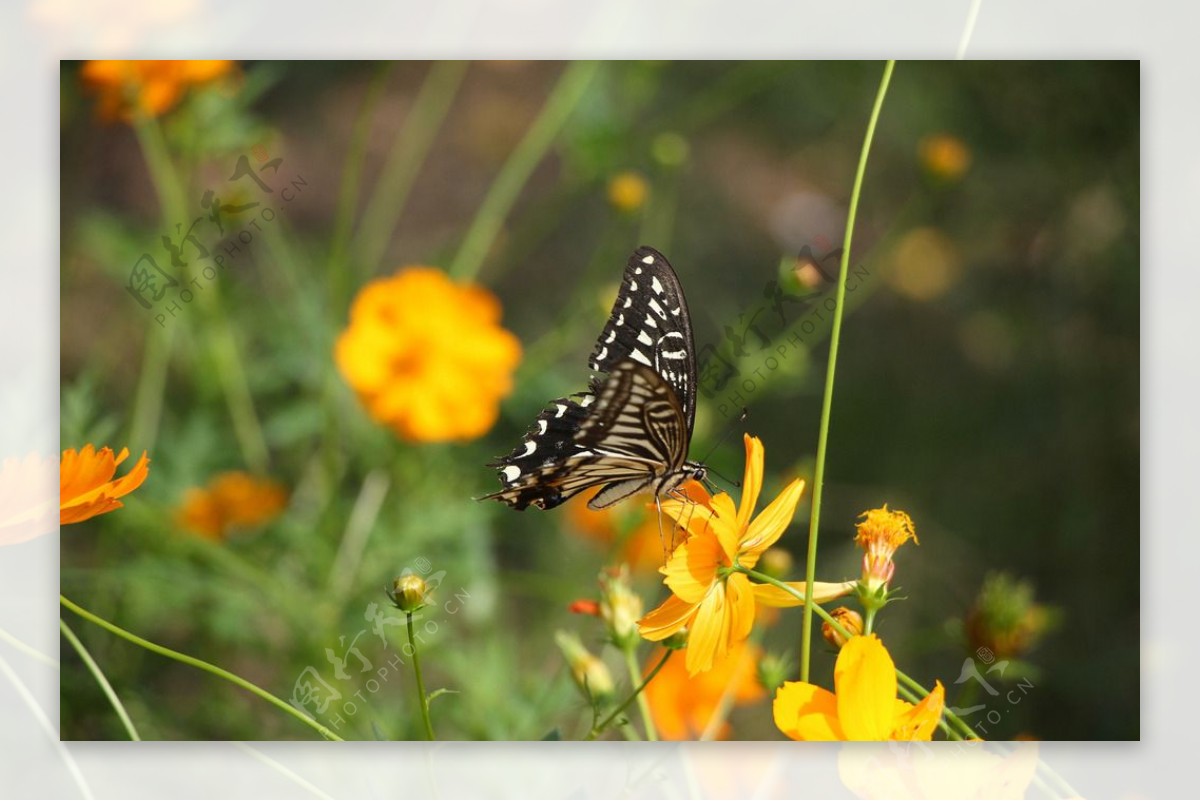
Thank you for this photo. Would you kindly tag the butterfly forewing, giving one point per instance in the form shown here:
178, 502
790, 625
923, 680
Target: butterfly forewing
649, 324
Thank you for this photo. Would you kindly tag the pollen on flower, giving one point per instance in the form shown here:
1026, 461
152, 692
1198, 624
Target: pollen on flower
884, 530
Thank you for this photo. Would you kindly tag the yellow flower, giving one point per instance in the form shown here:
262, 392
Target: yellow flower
627, 191
714, 603
128, 89
230, 500
427, 356
880, 533
944, 156
683, 706
86, 487
865, 706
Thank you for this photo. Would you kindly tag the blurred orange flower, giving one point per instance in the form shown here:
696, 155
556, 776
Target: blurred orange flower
683, 706
865, 706
86, 486
945, 156
642, 547
126, 89
627, 191
427, 356
230, 500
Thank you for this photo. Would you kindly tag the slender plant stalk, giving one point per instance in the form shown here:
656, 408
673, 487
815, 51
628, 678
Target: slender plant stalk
28, 650
903, 677
409, 151
422, 698
100, 678
635, 676
599, 728
343, 220
516, 171
198, 663
39, 715
827, 401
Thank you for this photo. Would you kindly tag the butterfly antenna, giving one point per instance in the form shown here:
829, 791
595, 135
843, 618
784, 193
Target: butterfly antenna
729, 429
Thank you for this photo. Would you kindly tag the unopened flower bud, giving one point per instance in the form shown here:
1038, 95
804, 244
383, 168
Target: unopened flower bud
1004, 619
409, 592
849, 620
590, 673
773, 670
677, 641
620, 607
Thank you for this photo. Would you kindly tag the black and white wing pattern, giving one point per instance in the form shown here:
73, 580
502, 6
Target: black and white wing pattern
631, 431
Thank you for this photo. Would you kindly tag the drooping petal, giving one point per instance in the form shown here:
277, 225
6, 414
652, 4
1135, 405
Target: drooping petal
770, 525
919, 721
751, 480
667, 619
692, 569
724, 525
740, 594
805, 711
823, 591
865, 681
709, 637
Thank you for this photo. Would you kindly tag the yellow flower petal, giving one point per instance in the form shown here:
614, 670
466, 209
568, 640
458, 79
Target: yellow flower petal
805, 711
667, 619
823, 591
770, 525
692, 569
919, 722
709, 637
751, 480
865, 680
86, 485
740, 593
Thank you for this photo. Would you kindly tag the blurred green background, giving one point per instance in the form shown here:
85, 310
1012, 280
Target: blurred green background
987, 383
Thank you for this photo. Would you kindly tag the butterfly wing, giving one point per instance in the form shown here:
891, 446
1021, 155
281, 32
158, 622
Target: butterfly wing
649, 324
628, 437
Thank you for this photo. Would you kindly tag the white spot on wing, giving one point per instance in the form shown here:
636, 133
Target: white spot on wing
656, 285
603, 352
610, 338
638, 356
632, 285
647, 260
511, 473
542, 424
562, 409
587, 401
658, 309
637, 270
628, 303
650, 322
530, 447
644, 338
620, 320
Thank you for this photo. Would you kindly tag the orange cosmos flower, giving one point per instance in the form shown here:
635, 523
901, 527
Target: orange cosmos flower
230, 500
945, 156
86, 487
427, 356
127, 89
865, 706
714, 603
683, 706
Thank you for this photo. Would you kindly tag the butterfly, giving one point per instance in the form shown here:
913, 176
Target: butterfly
630, 432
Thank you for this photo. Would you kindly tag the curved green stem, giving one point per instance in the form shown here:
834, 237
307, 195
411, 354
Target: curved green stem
903, 677
599, 728
200, 664
28, 650
643, 704
827, 401
100, 678
421, 696
516, 171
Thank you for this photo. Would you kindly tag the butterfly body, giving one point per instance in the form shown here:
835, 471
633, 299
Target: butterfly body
631, 430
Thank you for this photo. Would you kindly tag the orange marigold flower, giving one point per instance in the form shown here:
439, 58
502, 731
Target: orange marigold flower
127, 89
230, 500
427, 356
880, 533
716, 604
864, 707
86, 486
683, 707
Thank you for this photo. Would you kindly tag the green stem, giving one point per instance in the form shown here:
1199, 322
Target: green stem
516, 171
28, 650
351, 178
643, 705
901, 676
101, 679
827, 401
599, 728
200, 664
421, 696
409, 151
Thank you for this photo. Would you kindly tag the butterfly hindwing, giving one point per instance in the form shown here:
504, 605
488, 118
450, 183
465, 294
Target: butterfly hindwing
649, 324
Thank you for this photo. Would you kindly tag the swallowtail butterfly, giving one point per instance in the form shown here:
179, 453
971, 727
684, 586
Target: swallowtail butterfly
631, 430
